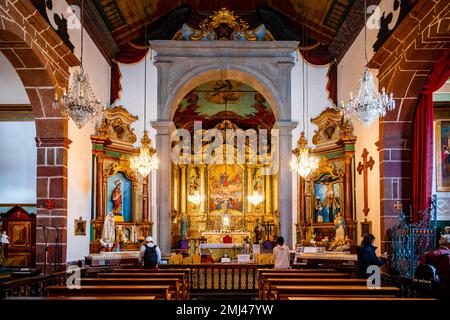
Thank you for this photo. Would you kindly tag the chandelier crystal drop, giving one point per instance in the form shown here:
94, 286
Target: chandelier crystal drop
80, 103
256, 198
302, 162
146, 161
368, 104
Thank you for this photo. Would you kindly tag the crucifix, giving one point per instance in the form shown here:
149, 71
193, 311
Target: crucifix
364, 167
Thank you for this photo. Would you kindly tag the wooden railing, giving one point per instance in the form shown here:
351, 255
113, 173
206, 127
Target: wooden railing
37, 286
234, 277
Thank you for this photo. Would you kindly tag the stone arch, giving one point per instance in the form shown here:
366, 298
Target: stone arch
201, 74
42, 62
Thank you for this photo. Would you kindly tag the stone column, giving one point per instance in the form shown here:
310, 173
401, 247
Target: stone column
285, 179
164, 175
203, 188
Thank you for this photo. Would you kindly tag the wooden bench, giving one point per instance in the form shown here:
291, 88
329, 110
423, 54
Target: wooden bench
182, 276
83, 298
284, 291
159, 291
266, 290
358, 298
174, 283
292, 275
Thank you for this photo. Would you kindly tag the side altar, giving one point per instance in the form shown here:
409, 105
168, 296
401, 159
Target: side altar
120, 214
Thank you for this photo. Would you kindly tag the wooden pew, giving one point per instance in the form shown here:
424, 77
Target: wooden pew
174, 283
284, 291
83, 298
292, 275
359, 298
159, 291
269, 283
184, 278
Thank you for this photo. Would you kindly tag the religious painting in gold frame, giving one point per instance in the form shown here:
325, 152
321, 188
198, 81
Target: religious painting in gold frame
80, 227
225, 194
442, 154
326, 187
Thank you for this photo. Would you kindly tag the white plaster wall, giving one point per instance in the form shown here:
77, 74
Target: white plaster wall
79, 154
12, 90
132, 98
350, 70
316, 97
17, 162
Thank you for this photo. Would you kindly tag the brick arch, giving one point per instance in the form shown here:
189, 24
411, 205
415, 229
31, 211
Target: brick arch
42, 62
404, 62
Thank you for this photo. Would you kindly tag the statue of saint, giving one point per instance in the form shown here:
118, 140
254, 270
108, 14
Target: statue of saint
319, 211
116, 197
109, 233
258, 231
339, 226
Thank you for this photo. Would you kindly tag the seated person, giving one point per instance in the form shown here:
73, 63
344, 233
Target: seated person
440, 259
227, 239
367, 257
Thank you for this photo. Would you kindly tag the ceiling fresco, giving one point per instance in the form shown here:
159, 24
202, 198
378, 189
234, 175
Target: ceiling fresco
219, 100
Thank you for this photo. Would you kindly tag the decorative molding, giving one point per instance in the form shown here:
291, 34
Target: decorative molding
16, 112
116, 126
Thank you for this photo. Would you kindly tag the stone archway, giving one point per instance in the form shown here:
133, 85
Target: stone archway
404, 62
42, 62
182, 65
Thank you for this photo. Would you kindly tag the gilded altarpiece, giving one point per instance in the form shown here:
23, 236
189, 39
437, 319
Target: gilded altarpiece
328, 192
224, 190
117, 189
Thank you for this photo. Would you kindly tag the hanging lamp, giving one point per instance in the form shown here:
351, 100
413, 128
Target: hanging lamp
80, 102
147, 160
368, 105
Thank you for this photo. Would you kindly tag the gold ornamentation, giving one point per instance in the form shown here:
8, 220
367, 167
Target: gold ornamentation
116, 125
123, 165
329, 129
224, 25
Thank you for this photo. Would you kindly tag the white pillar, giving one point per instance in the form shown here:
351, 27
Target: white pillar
164, 179
285, 179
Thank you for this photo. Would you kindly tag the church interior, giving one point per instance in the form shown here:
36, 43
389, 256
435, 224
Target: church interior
265, 150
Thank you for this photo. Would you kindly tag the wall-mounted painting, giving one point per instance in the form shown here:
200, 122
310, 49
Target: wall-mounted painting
225, 186
80, 227
119, 193
442, 152
327, 198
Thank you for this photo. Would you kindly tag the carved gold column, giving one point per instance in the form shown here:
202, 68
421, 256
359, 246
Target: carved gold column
249, 186
301, 215
183, 199
145, 206
99, 215
348, 187
202, 188
268, 191
176, 188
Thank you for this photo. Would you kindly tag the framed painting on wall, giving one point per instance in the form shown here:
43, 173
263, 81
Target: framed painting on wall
442, 154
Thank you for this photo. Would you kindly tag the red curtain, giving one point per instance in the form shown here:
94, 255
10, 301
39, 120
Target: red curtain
128, 54
423, 136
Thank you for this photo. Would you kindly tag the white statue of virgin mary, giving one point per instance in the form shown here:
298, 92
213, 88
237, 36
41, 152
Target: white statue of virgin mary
109, 233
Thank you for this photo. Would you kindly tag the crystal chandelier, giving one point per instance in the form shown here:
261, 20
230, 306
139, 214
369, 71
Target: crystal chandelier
256, 198
302, 162
80, 103
369, 104
195, 198
147, 160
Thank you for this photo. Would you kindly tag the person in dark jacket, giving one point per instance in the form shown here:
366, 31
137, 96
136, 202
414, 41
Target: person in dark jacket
367, 256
